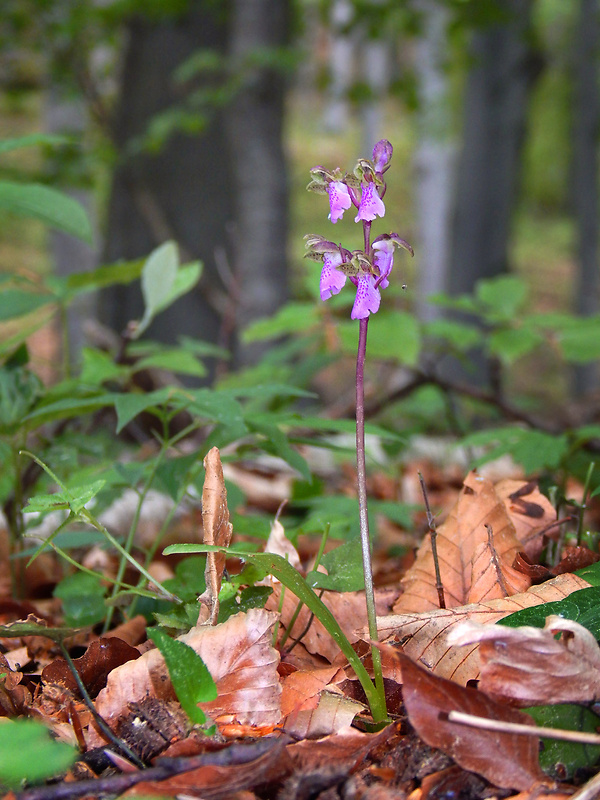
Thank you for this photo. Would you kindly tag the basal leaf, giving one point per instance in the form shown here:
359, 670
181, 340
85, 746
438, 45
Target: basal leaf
28, 753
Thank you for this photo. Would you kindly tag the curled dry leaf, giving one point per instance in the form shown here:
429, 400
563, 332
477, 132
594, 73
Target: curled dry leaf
504, 759
478, 521
239, 656
217, 530
529, 666
424, 637
322, 715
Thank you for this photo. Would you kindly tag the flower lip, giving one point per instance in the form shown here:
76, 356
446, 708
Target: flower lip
371, 204
339, 199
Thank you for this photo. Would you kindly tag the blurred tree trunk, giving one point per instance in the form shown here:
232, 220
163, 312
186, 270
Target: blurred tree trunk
434, 156
505, 65
255, 134
586, 119
184, 192
220, 195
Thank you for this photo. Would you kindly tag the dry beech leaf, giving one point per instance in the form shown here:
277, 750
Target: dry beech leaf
217, 530
530, 512
279, 544
349, 609
322, 715
302, 686
423, 637
239, 656
528, 666
460, 538
504, 759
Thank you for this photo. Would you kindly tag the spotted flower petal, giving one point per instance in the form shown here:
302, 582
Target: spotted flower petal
339, 199
332, 280
367, 298
371, 205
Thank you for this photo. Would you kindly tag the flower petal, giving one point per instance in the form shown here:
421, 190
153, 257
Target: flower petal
382, 155
332, 280
371, 205
339, 199
367, 298
383, 258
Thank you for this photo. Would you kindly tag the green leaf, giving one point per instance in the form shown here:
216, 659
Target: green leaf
392, 335
459, 335
590, 574
75, 498
558, 758
16, 303
174, 474
66, 408
98, 367
129, 405
580, 341
504, 295
173, 359
19, 389
510, 344
28, 753
219, 406
6, 145
277, 443
82, 597
250, 597
189, 675
158, 278
121, 273
186, 278
48, 205
534, 450
292, 318
344, 569
574, 607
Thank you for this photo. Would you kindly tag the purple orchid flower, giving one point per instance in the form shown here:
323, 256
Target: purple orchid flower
367, 299
382, 155
339, 199
332, 280
371, 204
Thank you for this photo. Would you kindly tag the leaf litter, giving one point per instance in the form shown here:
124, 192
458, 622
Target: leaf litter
289, 720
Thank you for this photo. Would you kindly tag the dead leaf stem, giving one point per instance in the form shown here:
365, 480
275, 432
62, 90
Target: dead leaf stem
433, 536
484, 723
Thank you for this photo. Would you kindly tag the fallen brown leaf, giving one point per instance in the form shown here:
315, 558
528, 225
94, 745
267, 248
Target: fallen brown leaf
217, 530
239, 656
479, 519
423, 636
322, 715
528, 666
506, 760
529, 511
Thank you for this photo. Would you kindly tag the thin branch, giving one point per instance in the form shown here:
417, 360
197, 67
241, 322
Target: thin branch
520, 729
433, 535
233, 754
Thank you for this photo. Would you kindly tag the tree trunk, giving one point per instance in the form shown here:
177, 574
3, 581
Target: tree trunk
504, 68
586, 117
184, 192
255, 135
434, 157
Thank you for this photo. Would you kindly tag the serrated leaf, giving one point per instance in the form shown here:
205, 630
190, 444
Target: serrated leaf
392, 335
292, 318
191, 679
172, 359
510, 344
56, 209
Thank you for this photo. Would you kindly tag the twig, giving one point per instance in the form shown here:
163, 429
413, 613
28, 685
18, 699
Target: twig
589, 790
520, 729
496, 560
165, 768
119, 743
433, 535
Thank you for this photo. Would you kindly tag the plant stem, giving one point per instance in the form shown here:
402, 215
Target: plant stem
361, 470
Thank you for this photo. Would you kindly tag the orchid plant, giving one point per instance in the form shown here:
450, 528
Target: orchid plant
369, 271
